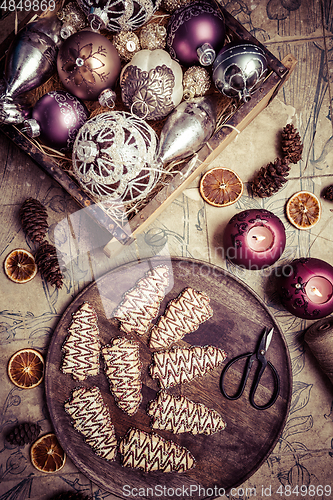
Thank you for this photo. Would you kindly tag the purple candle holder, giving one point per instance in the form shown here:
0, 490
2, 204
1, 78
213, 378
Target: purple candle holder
306, 288
254, 239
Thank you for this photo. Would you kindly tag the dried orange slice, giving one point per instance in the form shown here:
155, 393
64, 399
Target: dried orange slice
20, 266
47, 455
221, 187
303, 210
26, 368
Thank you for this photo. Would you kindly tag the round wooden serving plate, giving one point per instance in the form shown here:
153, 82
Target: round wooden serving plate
223, 460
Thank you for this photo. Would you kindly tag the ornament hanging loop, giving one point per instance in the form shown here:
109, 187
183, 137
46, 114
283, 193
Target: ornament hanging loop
136, 104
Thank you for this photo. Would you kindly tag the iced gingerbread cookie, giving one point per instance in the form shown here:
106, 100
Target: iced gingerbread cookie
122, 367
183, 315
182, 364
81, 348
180, 414
141, 304
151, 452
91, 417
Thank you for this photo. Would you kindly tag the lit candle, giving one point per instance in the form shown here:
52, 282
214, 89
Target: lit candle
254, 239
260, 238
306, 288
319, 290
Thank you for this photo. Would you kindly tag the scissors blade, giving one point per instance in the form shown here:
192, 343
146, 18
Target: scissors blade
269, 336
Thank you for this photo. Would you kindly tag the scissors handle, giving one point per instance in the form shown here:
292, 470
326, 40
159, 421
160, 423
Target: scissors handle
262, 365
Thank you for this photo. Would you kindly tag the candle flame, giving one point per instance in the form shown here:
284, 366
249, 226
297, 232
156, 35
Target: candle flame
315, 291
259, 238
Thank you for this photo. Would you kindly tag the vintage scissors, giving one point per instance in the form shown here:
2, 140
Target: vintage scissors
258, 355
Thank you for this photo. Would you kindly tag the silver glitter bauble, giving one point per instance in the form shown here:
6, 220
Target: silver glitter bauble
30, 61
196, 82
112, 157
127, 44
153, 36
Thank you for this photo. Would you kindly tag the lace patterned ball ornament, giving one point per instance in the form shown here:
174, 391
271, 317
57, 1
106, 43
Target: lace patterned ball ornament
127, 44
88, 66
196, 82
151, 84
112, 158
118, 15
153, 36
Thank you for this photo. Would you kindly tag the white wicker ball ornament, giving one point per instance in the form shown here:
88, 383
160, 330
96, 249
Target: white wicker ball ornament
113, 157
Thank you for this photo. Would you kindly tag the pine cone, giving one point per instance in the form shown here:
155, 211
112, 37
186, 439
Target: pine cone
328, 193
270, 178
291, 145
48, 265
23, 434
33, 217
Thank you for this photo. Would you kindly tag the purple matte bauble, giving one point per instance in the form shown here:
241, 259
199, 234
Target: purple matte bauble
236, 244
87, 64
238, 69
192, 26
59, 115
292, 283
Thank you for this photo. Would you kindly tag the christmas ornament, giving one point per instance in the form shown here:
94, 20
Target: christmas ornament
88, 66
72, 18
270, 178
254, 239
30, 61
33, 216
172, 5
328, 193
118, 15
48, 264
56, 119
187, 129
151, 84
22, 434
303, 210
153, 36
291, 145
127, 44
196, 82
112, 157
196, 33
305, 288
238, 69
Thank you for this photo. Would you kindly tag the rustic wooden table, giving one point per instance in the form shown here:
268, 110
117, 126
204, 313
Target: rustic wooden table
302, 458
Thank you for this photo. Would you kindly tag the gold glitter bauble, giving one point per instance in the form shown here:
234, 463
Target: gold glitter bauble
153, 36
196, 82
126, 44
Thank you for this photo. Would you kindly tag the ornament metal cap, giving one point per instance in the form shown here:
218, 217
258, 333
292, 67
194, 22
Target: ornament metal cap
67, 30
107, 98
97, 18
206, 54
31, 127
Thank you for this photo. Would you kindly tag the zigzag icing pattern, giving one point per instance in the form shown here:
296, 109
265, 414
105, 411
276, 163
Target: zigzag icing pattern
81, 348
180, 414
151, 452
181, 364
122, 367
141, 304
183, 315
91, 417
